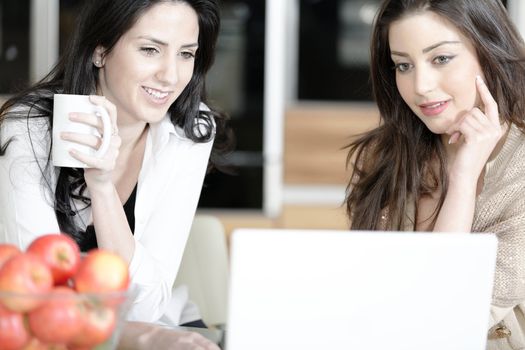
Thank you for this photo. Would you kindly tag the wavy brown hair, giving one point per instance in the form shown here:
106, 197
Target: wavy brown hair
402, 160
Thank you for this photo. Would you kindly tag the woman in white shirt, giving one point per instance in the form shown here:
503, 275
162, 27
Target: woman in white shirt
145, 63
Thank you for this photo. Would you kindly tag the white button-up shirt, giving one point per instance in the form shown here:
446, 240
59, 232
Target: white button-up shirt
169, 187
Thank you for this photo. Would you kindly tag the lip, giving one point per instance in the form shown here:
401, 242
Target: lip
431, 109
156, 96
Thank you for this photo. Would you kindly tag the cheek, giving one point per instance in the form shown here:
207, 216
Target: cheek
122, 71
185, 75
404, 88
464, 86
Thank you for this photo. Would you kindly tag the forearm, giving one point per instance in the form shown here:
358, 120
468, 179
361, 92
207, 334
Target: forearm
111, 225
140, 335
457, 212
135, 335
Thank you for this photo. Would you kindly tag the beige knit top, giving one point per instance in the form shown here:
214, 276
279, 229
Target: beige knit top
500, 209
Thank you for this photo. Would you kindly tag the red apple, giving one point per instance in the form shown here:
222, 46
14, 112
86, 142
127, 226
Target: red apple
7, 251
13, 333
98, 323
57, 320
35, 344
60, 252
25, 274
101, 271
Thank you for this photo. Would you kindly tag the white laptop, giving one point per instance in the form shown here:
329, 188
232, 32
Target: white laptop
316, 290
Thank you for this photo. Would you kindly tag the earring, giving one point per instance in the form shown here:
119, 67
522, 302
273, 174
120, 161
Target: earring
97, 63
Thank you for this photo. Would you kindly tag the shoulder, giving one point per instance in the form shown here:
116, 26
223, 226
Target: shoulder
505, 176
22, 120
203, 107
513, 151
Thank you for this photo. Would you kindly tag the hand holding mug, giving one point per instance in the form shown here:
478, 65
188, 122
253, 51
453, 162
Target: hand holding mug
80, 125
85, 135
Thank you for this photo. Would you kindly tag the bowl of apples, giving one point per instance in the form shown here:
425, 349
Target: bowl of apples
52, 297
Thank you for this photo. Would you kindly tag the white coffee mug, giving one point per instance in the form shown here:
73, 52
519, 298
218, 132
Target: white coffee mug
63, 105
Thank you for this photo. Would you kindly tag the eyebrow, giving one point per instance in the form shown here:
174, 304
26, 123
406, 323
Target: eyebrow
427, 49
163, 43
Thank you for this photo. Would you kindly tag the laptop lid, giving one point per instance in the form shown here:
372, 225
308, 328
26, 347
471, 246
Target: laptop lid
314, 289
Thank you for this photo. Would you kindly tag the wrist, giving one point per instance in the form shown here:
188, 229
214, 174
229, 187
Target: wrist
463, 180
462, 188
103, 189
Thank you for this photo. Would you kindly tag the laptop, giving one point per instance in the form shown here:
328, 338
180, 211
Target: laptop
317, 289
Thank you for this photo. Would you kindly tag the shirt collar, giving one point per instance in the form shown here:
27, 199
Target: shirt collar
161, 132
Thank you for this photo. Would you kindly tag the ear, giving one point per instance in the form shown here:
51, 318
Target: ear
98, 57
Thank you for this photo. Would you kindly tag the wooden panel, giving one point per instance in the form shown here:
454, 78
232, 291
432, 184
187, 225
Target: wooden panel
315, 137
313, 217
292, 217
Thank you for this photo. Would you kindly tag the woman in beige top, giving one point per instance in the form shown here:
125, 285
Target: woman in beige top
449, 156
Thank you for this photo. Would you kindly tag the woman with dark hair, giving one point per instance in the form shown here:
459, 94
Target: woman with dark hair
449, 155
144, 61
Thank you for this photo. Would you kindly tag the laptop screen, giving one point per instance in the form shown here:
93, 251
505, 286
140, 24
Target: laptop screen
312, 289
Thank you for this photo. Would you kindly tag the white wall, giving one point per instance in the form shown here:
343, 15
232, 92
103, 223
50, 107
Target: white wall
44, 37
516, 10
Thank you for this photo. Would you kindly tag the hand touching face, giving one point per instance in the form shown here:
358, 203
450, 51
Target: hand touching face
475, 136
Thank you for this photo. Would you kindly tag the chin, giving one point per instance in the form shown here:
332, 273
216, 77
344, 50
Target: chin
436, 129
156, 118
154, 115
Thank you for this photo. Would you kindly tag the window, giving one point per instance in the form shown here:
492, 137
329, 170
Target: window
236, 85
334, 37
14, 45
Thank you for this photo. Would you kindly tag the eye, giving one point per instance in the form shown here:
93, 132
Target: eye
402, 67
187, 55
150, 51
442, 59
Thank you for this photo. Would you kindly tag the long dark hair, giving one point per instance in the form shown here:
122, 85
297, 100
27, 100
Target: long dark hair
102, 23
393, 164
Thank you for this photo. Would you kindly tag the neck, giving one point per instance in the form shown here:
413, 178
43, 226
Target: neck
132, 134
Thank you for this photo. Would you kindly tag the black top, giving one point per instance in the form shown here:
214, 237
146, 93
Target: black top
90, 239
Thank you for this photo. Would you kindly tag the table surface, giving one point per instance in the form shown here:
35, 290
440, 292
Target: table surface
213, 334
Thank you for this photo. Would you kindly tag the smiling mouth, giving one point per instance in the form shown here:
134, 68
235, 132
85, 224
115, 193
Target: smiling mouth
433, 105
433, 109
155, 93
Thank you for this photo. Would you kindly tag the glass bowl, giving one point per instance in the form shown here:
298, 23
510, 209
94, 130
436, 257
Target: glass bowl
63, 319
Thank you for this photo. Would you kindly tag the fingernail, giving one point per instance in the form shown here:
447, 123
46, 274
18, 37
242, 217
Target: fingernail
453, 138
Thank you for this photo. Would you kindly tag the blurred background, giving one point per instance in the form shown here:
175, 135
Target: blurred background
292, 75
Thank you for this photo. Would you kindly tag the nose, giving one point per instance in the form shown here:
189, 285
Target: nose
168, 72
425, 80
